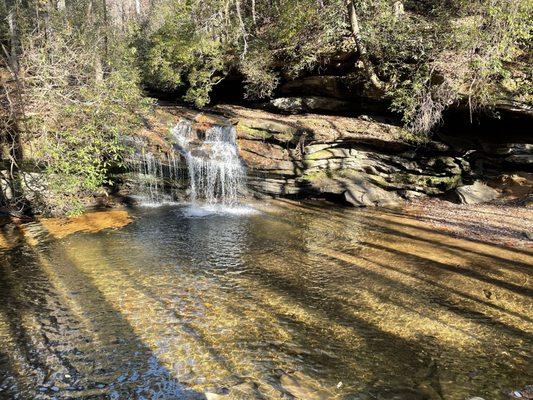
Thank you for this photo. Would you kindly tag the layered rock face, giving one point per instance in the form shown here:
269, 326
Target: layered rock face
360, 160
364, 161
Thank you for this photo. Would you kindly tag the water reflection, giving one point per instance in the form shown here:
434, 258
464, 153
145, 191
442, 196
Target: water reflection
173, 306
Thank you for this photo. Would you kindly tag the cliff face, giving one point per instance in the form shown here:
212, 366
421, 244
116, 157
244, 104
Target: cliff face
361, 161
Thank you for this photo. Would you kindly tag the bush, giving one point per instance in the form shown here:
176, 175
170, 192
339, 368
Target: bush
80, 94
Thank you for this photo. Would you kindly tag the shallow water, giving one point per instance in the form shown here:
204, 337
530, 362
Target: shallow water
273, 301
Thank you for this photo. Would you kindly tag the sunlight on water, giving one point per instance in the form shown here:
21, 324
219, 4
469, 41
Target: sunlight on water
198, 210
268, 301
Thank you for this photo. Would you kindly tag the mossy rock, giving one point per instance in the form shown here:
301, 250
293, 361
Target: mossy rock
443, 183
264, 131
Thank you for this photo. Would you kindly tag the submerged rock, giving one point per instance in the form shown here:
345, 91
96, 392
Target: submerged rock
303, 387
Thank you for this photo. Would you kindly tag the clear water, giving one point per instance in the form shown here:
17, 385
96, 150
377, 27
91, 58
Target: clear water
349, 304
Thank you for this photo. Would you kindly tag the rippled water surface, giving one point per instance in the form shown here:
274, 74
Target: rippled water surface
291, 301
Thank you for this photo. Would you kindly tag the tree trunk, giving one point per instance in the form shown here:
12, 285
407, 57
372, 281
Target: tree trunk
243, 27
13, 105
361, 48
13, 37
254, 18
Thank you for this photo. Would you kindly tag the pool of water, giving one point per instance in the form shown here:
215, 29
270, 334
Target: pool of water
276, 300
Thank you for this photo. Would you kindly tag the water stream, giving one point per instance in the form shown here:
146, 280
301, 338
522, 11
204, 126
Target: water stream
293, 301
216, 173
157, 178
206, 161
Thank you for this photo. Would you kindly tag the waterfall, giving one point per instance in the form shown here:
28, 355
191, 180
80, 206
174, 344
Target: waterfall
216, 174
157, 178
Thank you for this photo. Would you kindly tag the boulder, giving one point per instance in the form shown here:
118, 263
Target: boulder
314, 104
361, 193
475, 193
341, 87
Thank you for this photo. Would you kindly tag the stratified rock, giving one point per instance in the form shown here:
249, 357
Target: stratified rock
361, 193
364, 161
476, 193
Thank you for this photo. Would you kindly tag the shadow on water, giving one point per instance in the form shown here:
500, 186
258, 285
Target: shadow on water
64, 339
109, 315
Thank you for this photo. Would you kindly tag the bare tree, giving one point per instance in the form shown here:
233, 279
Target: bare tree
361, 47
254, 17
243, 27
12, 104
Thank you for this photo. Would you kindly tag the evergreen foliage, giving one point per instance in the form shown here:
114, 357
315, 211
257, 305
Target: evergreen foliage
72, 70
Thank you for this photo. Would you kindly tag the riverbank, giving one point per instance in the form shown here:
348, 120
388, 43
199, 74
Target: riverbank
505, 224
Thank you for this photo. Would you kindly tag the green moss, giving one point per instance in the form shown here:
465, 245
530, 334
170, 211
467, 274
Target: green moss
319, 155
286, 133
441, 182
314, 176
254, 132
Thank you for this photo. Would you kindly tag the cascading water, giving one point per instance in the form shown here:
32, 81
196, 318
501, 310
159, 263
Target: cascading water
216, 174
157, 177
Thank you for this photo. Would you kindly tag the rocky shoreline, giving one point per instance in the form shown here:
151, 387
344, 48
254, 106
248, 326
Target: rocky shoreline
358, 161
351, 160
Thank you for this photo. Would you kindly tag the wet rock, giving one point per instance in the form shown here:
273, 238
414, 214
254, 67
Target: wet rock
303, 387
217, 393
215, 396
475, 193
245, 391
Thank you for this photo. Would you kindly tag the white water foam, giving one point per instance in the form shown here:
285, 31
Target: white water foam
198, 211
216, 173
